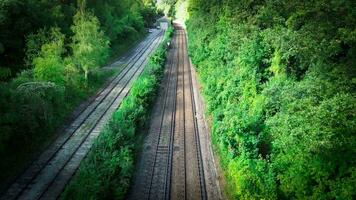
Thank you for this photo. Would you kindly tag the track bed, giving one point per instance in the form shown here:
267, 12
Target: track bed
175, 162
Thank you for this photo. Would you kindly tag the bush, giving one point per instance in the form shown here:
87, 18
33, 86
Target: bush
30, 112
48, 64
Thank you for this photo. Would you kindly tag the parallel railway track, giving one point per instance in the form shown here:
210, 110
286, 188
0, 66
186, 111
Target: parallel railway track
171, 165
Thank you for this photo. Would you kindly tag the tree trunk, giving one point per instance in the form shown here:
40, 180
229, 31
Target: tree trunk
86, 72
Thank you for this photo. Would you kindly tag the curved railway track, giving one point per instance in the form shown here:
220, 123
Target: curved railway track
47, 176
171, 164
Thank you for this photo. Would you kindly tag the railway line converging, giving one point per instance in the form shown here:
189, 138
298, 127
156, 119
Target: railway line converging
47, 176
176, 160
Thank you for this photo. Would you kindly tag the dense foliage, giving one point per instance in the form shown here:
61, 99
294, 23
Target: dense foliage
20, 18
120, 20
107, 170
50, 55
279, 80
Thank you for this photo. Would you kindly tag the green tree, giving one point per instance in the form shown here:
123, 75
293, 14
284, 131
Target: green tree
49, 64
90, 46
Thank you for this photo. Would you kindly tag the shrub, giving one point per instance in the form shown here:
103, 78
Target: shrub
49, 65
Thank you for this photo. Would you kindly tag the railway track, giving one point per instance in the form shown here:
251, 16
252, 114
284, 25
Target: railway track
47, 176
197, 150
171, 165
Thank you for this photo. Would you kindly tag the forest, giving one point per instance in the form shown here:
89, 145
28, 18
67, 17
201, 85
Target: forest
279, 81
50, 58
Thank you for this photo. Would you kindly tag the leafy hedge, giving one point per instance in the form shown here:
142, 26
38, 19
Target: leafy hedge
279, 80
107, 170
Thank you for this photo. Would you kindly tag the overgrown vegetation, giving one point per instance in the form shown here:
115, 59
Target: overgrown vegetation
47, 73
107, 170
121, 21
279, 80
